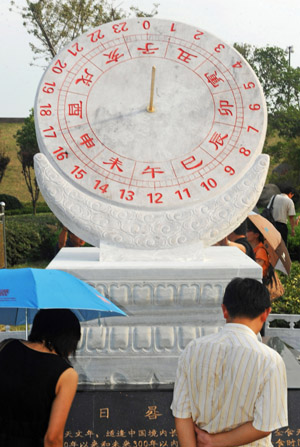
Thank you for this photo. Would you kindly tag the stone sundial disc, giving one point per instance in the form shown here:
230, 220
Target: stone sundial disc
112, 170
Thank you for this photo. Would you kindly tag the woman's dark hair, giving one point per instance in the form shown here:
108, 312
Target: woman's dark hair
246, 297
252, 227
59, 329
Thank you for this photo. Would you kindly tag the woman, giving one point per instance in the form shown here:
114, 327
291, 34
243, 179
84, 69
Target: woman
37, 382
256, 240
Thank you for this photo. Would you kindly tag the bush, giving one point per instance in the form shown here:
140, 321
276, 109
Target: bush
294, 243
31, 238
11, 202
41, 207
289, 303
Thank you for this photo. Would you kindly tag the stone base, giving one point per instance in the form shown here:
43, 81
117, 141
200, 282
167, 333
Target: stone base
168, 304
143, 418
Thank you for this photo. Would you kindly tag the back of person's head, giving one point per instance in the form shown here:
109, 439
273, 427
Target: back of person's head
246, 297
241, 230
252, 227
288, 190
59, 329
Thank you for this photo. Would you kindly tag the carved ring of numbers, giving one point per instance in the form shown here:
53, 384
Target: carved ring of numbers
93, 125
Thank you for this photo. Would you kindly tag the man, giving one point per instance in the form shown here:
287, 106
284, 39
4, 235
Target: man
232, 386
284, 208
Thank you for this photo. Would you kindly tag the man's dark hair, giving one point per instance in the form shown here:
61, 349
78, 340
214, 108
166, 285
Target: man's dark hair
59, 329
288, 189
241, 229
246, 297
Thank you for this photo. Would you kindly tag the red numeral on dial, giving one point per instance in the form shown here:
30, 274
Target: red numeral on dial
52, 132
253, 128
245, 151
78, 173
155, 198
119, 27
229, 170
186, 191
127, 195
49, 89
249, 85
58, 67
209, 184
60, 153
254, 107
103, 188
45, 110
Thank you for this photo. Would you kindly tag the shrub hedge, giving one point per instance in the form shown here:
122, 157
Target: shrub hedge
289, 303
294, 244
31, 238
27, 209
11, 202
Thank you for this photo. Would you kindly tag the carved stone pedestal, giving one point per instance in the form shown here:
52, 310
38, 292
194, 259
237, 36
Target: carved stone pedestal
167, 303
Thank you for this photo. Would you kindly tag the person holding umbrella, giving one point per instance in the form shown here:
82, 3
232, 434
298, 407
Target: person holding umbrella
270, 278
37, 381
256, 240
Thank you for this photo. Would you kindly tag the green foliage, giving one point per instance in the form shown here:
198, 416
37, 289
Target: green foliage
4, 160
27, 142
287, 122
11, 202
41, 207
286, 151
281, 86
31, 238
54, 23
289, 303
294, 243
280, 82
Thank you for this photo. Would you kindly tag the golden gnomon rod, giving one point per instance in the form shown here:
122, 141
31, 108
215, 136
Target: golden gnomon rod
150, 107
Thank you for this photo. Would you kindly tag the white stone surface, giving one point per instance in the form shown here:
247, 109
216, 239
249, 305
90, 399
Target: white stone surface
115, 173
95, 221
152, 190
167, 303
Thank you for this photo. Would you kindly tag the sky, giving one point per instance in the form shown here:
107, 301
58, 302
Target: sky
257, 22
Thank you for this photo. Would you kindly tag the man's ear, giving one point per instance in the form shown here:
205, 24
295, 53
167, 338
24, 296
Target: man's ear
265, 314
225, 311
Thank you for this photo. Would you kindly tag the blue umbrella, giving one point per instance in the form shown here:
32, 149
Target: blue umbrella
24, 291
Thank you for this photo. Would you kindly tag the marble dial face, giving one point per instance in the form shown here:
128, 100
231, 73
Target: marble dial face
93, 124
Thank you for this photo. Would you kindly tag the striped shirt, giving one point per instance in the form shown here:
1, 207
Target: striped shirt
226, 379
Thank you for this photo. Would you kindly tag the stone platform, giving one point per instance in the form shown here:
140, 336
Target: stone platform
168, 304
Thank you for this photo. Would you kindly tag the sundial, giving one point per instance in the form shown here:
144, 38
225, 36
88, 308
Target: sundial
150, 134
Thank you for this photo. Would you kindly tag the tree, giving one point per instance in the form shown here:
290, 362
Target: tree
281, 85
4, 160
27, 142
54, 23
280, 82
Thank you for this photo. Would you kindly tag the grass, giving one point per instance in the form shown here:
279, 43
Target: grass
13, 182
35, 265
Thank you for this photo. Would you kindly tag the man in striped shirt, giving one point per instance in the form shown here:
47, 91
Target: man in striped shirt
230, 385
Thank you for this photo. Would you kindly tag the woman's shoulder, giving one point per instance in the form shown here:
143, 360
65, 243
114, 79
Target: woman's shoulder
261, 252
12, 342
